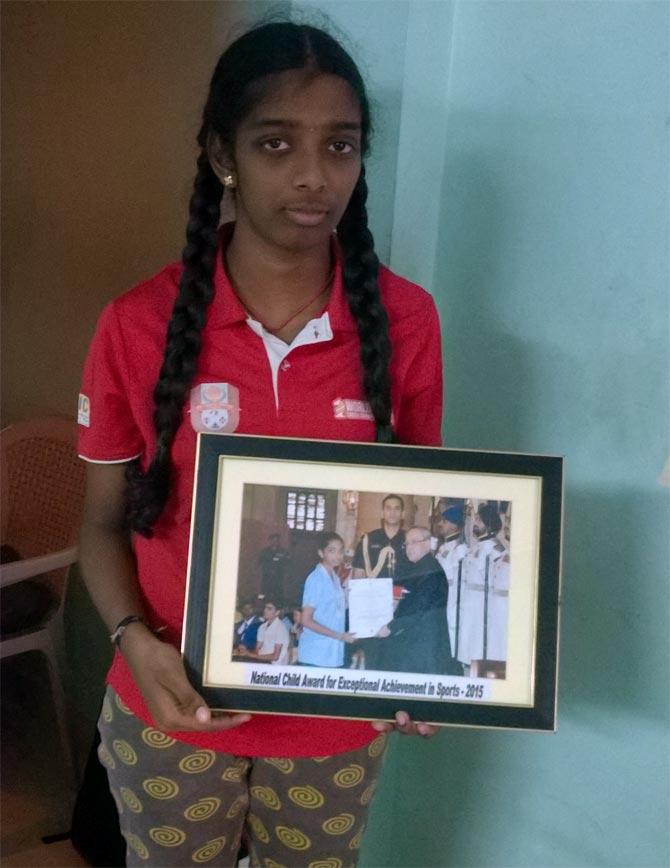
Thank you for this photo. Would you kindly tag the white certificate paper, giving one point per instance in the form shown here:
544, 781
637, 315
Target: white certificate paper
370, 606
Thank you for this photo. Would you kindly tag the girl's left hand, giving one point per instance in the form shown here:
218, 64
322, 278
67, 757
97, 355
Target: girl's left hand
405, 725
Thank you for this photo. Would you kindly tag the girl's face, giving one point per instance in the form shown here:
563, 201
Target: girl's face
297, 159
333, 554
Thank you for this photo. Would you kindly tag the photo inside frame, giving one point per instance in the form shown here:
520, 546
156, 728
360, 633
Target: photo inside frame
445, 599
440, 569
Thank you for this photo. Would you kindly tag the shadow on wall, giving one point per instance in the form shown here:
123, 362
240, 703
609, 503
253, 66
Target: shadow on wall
488, 382
614, 641
536, 395
539, 394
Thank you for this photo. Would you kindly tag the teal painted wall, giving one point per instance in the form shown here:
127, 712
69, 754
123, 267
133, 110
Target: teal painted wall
528, 176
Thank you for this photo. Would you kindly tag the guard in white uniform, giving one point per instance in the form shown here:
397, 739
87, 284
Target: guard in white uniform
484, 615
450, 555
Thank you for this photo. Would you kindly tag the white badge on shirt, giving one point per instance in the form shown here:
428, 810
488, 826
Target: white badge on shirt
348, 408
215, 408
84, 411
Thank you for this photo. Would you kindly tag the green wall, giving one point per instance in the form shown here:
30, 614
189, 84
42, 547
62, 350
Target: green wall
522, 176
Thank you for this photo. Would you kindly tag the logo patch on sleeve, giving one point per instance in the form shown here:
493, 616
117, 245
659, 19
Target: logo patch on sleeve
84, 411
348, 408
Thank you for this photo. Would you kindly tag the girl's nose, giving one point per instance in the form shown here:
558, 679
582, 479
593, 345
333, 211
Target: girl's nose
309, 174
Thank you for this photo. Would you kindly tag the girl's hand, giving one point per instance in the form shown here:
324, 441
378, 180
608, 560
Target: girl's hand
349, 638
159, 673
383, 632
405, 725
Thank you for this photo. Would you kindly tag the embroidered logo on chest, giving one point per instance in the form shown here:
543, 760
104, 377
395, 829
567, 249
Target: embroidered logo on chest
215, 407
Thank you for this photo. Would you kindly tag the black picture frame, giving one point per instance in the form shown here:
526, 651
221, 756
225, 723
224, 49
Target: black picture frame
525, 699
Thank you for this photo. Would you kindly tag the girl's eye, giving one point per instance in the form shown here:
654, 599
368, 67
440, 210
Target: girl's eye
275, 144
342, 147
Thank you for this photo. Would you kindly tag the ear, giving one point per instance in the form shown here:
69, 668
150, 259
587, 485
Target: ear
221, 161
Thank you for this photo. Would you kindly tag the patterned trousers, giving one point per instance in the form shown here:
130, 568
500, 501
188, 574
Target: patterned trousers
180, 805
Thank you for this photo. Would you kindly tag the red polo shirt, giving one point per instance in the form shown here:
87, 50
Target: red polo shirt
308, 393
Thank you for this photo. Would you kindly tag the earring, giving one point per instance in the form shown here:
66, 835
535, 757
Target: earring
229, 180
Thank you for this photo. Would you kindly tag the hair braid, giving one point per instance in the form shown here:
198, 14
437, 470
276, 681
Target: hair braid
147, 492
360, 270
239, 82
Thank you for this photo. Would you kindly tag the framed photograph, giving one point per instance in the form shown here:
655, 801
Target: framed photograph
356, 580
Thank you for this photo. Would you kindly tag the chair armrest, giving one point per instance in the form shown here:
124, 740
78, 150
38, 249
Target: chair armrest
17, 571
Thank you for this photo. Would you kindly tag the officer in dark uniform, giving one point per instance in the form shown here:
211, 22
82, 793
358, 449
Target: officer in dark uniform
381, 552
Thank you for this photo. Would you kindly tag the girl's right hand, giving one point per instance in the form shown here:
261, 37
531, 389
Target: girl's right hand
349, 638
159, 673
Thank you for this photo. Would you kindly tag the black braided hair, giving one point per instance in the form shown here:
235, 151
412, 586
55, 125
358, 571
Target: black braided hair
236, 85
147, 493
360, 270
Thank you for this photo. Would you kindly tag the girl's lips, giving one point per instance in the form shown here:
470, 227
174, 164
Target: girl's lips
306, 217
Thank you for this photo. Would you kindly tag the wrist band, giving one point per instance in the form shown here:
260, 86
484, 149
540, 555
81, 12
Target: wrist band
122, 626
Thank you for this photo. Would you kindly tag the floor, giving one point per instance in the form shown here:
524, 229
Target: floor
36, 798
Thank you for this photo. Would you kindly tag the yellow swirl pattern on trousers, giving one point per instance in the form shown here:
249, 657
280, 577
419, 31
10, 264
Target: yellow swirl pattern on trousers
124, 752
136, 844
306, 797
355, 842
209, 850
258, 828
232, 774
239, 803
332, 862
368, 793
202, 809
107, 713
266, 795
197, 762
167, 836
270, 863
284, 765
338, 825
121, 705
376, 747
349, 776
293, 838
105, 757
156, 738
131, 800
161, 788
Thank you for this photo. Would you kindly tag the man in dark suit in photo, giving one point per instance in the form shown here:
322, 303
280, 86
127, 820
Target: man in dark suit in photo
417, 639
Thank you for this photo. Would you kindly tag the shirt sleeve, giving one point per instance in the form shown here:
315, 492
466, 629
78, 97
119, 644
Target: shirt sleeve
281, 636
312, 594
420, 416
108, 432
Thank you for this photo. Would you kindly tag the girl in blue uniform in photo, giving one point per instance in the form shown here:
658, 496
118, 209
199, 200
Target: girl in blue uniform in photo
324, 608
285, 128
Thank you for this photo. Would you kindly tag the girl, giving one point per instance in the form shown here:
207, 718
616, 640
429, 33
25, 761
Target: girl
323, 608
288, 313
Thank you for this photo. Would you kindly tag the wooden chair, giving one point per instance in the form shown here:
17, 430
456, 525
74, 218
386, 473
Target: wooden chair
42, 498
